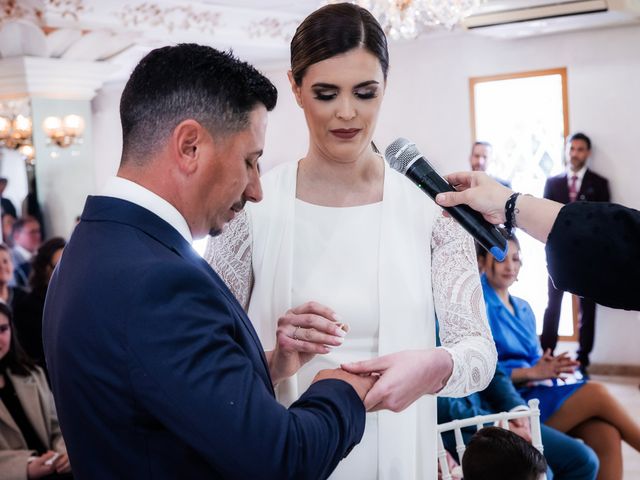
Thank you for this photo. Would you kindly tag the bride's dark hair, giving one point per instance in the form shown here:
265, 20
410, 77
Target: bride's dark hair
335, 29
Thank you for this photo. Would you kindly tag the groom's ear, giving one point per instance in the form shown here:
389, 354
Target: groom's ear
187, 141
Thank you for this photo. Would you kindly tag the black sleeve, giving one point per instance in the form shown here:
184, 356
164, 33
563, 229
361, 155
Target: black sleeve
593, 250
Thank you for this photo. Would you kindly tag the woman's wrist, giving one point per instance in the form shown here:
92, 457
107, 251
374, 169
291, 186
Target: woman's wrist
445, 365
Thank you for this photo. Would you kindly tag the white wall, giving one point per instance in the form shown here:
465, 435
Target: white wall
427, 100
107, 143
64, 176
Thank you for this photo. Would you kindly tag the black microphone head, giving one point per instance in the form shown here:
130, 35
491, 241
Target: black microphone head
400, 154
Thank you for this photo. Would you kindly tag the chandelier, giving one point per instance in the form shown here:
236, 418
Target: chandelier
408, 18
16, 127
64, 131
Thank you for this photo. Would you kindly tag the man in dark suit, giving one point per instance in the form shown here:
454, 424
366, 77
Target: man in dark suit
480, 157
155, 368
577, 184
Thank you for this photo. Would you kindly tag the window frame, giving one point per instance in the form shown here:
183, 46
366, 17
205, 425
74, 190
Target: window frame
562, 71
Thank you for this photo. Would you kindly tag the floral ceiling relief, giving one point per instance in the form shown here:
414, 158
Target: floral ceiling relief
273, 28
181, 17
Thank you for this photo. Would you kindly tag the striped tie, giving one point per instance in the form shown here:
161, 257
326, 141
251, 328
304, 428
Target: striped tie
573, 191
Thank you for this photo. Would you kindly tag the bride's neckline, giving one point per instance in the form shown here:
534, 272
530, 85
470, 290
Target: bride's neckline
355, 205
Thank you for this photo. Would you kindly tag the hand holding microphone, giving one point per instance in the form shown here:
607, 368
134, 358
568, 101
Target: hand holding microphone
404, 157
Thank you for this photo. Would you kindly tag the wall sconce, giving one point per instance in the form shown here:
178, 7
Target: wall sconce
64, 132
15, 132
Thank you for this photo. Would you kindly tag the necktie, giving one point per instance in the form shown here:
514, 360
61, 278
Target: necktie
573, 191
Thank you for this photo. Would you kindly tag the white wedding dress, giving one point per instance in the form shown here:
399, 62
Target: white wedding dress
331, 258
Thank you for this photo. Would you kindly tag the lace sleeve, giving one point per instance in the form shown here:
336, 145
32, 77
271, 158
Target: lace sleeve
462, 315
229, 254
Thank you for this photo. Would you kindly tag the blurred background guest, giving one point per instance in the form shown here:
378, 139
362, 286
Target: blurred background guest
30, 435
28, 311
5, 204
480, 159
27, 237
9, 295
7, 227
578, 183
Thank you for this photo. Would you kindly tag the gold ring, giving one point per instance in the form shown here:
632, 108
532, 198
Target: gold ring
295, 333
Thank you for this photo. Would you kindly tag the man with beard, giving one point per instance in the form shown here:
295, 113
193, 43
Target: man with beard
578, 183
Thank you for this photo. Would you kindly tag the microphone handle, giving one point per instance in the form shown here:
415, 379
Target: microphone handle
428, 180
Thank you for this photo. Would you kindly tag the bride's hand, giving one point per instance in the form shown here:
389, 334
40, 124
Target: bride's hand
303, 332
404, 377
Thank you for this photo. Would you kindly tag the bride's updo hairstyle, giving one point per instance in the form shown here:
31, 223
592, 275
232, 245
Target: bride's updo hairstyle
335, 29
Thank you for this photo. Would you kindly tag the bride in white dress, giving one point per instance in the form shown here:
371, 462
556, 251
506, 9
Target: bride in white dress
340, 238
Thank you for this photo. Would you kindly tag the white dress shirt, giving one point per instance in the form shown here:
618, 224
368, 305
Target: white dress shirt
118, 187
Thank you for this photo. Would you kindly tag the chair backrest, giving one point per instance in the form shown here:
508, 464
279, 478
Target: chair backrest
481, 421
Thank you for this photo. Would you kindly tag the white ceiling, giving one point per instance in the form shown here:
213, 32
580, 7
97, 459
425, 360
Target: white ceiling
121, 31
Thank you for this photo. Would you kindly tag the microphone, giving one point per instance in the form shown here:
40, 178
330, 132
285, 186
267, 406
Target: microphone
404, 157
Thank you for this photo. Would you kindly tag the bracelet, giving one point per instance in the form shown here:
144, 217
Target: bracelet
510, 212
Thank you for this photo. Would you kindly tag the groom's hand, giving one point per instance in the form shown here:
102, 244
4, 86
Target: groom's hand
361, 383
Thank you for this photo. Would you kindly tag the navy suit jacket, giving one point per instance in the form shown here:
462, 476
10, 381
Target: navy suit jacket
594, 188
158, 373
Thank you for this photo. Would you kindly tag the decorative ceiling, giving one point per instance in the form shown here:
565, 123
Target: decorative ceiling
119, 32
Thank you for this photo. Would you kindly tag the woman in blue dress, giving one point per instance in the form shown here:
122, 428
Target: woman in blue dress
581, 409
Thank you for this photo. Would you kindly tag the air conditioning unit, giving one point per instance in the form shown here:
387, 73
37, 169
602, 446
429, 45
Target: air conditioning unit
521, 18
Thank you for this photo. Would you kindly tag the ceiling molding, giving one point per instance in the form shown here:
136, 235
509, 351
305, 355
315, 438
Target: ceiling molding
51, 78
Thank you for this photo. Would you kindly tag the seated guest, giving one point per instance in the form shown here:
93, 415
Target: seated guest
29, 432
28, 311
581, 409
7, 226
6, 205
26, 235
498, 454
8, 294
567, 457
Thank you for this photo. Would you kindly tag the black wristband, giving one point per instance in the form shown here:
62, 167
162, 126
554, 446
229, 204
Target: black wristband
510, 212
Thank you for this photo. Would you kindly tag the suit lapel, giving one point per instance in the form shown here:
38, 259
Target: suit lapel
563, 187
122, 211
586, 188
7, 419
186, 251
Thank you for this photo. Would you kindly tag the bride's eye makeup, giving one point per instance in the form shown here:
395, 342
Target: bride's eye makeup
325, 94
366, 93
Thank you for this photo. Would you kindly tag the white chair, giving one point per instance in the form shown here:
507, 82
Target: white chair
481, 421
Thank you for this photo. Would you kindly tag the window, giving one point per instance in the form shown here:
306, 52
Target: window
524, 116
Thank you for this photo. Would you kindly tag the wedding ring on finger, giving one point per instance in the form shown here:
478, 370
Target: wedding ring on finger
295, 333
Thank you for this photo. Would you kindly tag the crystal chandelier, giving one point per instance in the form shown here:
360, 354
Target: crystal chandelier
408, 18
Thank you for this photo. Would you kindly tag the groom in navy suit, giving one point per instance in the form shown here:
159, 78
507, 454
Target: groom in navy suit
579, 183
155, 368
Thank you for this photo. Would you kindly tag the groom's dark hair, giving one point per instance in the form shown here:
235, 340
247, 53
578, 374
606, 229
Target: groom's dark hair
188, 81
